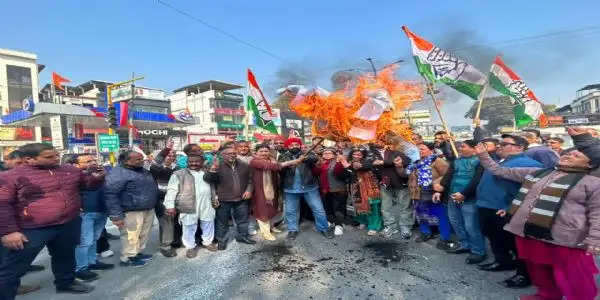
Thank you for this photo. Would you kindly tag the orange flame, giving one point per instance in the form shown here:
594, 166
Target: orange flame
334, 115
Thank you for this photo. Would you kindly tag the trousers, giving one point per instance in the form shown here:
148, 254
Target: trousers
189, 234
239, 210
60, 241
135, 233
92, 224
396, 208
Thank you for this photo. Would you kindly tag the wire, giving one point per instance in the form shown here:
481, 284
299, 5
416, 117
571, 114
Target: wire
221, 31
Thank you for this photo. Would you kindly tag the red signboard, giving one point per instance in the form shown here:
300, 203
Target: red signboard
229, 111
555, 120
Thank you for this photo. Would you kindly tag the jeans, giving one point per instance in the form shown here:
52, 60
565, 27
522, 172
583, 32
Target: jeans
465, 221
60, 240
313, 199
396, 208
240, 217
102, 243
92, 224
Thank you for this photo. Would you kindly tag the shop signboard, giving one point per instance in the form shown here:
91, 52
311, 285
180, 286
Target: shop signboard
555, 120
145, 93
58, 132
229, 111
226, 125
122, 93
578, 120
108, 142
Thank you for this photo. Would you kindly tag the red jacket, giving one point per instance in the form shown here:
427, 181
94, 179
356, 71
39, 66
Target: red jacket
32, 197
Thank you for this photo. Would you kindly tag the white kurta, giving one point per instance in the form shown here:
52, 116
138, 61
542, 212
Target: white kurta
204, 209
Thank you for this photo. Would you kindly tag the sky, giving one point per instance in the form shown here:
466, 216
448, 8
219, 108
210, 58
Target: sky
108, 40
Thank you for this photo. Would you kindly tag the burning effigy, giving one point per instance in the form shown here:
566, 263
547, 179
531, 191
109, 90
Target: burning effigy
362, 111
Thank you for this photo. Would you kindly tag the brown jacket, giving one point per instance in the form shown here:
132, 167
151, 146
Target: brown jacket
438, 169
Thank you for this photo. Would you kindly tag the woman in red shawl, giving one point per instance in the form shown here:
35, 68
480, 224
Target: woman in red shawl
265, 198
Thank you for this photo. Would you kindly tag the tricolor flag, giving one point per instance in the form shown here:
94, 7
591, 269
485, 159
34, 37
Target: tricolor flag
439, 65
58, 80
257, 102
527, 108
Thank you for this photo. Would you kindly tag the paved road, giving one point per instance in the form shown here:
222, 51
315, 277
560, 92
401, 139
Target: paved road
354, 266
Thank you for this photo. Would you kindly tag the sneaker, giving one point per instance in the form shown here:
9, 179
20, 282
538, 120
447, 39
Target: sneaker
170, 252
86, 275
388, 232
142, 256
75, 288
191, 253
371, 232
107, 253
212, 247
100, 266
252, 232
405, 232
339, 230
133, 262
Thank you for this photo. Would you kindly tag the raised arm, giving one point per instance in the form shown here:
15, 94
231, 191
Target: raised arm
515, 174
262, 164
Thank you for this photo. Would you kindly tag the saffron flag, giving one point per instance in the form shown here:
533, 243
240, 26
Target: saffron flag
527, 107
257, 102
58, 80
438, 65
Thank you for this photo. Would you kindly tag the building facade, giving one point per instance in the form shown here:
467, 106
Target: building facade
587, 100
217, 107
18, 81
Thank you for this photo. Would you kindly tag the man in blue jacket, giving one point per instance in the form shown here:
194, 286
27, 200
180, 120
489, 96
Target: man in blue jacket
494, 196
130, 193
93, 220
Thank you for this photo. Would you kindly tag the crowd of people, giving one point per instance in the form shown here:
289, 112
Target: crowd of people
533, 203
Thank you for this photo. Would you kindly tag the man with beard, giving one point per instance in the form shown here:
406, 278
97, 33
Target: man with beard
278, 146
299, 181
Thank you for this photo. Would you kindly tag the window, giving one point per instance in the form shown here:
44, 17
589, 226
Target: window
213, 118
19, 86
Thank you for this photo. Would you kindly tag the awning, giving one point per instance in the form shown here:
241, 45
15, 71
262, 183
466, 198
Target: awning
89, 117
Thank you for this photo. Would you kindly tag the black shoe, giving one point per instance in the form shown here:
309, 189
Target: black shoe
459, 250
133, 262
112, 236
75, 288
444, 245
246, 240
292, 235
35, 268
423, 238
100, 266
328, 233
86, 275
144, 257
475, 259
497, 267
177, 244
485, 265
516, 282
168, 252
222, 245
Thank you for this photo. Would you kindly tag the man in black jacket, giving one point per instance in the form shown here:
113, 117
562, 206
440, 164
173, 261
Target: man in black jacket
233, 188
130, 193
299, 181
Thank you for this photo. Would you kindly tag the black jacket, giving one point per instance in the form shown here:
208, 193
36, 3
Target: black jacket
129, 190
388, 173
231, 183
306, 168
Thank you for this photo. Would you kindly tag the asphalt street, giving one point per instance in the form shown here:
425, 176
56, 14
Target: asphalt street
352, 266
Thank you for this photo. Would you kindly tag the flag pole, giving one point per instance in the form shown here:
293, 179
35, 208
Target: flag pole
246, 118
481, 96
437, 108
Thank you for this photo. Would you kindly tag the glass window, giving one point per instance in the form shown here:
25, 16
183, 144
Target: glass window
19, 86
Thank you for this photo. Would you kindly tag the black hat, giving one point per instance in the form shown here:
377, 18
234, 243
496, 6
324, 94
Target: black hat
519, 140
589, 146
470, 143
